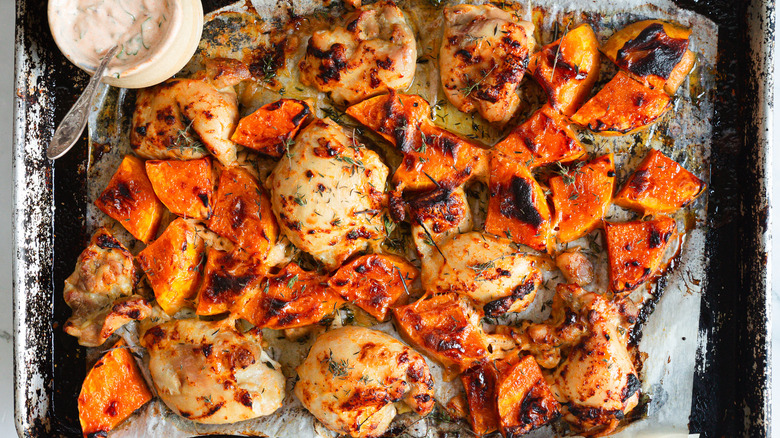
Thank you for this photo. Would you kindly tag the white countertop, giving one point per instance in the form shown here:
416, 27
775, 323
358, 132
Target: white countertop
7, 429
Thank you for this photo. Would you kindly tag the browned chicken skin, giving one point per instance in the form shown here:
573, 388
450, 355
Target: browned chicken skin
483, 57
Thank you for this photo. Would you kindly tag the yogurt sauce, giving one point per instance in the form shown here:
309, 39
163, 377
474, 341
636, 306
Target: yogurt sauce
89, 28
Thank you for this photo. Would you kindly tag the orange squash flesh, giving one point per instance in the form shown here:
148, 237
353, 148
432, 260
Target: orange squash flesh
185, 187
659, 185
525, 401
226, 277
396, 117
172, 265
375, 282
517, 207
567, 68
581, 197
242, 213
439, 157
653, 52
444, 327
481, 383
636, 250
292, 298
542, 139
111, 392
432, 156
269, 129
130, 199
623, 106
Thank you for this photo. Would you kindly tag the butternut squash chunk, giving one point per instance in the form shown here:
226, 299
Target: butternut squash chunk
542, 139
226, 277
623, 106
654, 52
517, 207
375, 282
439, 157
481, 385
290, 299
659, 185
396, 117
525, 401
581, 195
445, 327
185, 187
111, 392
242, 213
130, 199
271, 127
172, 264
432, 155
567, 68
636, 250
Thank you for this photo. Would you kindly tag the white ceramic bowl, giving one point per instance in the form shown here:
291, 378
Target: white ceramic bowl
167, 56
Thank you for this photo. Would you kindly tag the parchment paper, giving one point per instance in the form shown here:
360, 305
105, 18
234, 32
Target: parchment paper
670, 335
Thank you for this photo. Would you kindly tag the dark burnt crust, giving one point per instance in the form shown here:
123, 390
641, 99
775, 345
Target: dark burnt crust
652, 52
536, 410
502, 305
516, 199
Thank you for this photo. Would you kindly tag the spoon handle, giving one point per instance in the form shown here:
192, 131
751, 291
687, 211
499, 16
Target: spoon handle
69, 130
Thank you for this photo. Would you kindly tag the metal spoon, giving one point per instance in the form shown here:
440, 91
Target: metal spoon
74, 122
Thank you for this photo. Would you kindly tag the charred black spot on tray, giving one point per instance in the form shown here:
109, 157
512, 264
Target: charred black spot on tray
652, 52
517, 201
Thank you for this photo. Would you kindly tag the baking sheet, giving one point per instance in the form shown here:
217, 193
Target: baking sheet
669, 340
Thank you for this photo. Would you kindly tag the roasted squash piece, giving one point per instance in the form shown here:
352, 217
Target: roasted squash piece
432, 156
436, 215
517, 207
636, 250
654, 52
481, 385
445, 327
111, 392
623, 106
396, 117
172, 264
659, 185
542, 139
291, 298
525, 401
185, 187
271, 127
581, 195
568, 68
226, 277
438, 157
375, 282
242, 212
130, 199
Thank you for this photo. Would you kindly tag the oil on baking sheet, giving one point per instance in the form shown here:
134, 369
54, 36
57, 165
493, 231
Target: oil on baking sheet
669, 335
